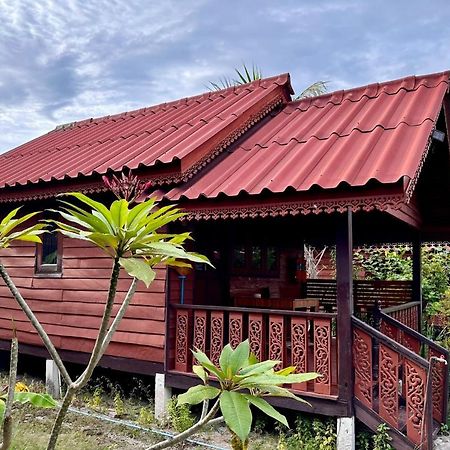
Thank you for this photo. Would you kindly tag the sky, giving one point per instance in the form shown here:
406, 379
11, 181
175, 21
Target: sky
68, 60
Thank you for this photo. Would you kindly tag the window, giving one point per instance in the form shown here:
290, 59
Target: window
257, 260
48, 255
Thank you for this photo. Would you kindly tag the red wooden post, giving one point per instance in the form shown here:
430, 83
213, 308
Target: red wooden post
362, 363
256, 335
235, 328
415, 377
322, 355
216, 337
417, 278
388, 384
277, 341
344, 286
299, 350
182, 331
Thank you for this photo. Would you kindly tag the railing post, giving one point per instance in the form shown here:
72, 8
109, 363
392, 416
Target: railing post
417, 278
344, 285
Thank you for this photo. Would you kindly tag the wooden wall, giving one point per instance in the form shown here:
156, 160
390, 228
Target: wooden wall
70, 308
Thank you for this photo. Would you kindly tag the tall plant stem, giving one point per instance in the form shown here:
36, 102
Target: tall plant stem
36, 324
7, 422
60, 417
189, 432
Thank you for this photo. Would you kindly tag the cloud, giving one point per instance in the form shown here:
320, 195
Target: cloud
64, 61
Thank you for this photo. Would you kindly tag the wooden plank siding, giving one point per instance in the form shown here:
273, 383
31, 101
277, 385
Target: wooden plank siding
70, 307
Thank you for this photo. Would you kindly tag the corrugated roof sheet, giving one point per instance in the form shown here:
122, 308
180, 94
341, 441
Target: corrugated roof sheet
162, 133
376, 132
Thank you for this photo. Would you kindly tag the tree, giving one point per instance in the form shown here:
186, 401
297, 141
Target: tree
242, 381
129, 235
245, 76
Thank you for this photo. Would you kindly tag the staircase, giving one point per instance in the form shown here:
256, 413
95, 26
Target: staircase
400, 378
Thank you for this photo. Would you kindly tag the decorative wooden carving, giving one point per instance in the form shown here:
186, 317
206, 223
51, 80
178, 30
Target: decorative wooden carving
391, 331
200, 330
438, 385
276, 339
322, 355
415, 378
388, 384
362, 363
411, 343
181, 342
216, 337
235, 329
256, 335
299, 350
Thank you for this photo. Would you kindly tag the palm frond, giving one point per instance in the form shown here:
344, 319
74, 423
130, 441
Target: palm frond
244, 76
315, 89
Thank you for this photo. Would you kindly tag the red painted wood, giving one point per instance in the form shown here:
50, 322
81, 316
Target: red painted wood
235, 328
322, 355
183, 330
439, 374
200, 329
363, 367
257, 335
216, 336
415, 379
277, 340
388, 385
299, 350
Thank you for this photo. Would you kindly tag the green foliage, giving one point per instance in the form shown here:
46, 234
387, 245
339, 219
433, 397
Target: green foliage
146, 416
33, 398
96, 401
310, 433
243, 381
180, 415
128, 233
381, 440
363, 440
119, 405
9, 232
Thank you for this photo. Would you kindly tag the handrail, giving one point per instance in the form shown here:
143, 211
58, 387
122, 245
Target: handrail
420, 337
284, 312
396, 308
391, 343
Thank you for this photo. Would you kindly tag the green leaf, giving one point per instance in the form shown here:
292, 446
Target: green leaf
198, 394
139, 269
38, 400
259, 368
9, 216
277, 391
225, 360
207, 364
2, 408
239, 357
201, 373
119, 212
236, 412
266, 408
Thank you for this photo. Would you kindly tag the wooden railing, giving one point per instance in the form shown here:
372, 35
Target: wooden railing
394, 383
304, 340
408, 314
367, 294
421, 345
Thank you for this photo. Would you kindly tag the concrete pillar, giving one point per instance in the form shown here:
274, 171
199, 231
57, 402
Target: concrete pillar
162, 396
52, 379
346, 433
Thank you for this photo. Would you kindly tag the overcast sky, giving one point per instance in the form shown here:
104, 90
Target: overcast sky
67, 60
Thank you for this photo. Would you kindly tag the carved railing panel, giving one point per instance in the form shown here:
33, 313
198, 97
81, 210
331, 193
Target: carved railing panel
388, 385
299, 351
439, 380
235, 329
362, 363
257, 335
322, 356
182, 341
216, 336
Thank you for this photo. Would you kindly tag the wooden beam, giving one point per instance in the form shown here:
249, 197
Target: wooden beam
417, 276
408, 214
344, 285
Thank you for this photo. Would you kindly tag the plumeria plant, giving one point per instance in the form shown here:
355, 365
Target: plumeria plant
240, 382
130, 234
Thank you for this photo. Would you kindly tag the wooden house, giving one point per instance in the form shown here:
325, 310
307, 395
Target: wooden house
258, 174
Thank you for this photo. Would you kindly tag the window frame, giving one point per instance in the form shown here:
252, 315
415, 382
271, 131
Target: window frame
42, 270
247, 269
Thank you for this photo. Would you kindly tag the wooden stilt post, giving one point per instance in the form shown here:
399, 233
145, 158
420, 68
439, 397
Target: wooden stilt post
417, 277
344, 281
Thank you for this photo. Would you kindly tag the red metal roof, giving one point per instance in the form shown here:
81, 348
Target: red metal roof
182, 130
376, 132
